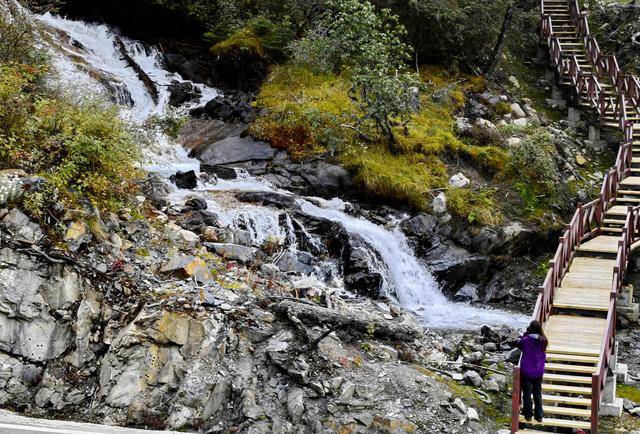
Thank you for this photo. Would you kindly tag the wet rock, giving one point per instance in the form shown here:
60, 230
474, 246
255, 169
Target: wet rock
421, 225
187, 180
195, 204
24, 229
455, 266
362, 266
235, 252
197, 220
468, 293
235, 150
269, 198
220, 171
296, 262
182, 92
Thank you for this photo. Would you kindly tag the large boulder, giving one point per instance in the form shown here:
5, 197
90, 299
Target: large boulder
235, 150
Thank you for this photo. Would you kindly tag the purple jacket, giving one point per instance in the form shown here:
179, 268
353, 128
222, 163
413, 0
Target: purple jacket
533, 356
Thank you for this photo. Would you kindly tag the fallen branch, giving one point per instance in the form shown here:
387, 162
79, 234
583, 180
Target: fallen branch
351, 320
146, 80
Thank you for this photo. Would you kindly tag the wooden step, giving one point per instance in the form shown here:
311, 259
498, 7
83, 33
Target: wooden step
560, 388
561, 423
567, 411
617, 210
612, 230
563, 367
569, 400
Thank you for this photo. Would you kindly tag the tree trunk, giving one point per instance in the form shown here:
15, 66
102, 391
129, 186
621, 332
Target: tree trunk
502, 39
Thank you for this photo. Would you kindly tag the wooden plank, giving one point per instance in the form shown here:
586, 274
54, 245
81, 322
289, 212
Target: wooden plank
571, 358
567, 411
561, 423
577, 379
618, 210
631, 181
564, 367
570, 400
560, 388
601, 244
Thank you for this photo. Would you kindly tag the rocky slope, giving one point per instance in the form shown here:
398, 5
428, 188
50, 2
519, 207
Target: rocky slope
148, 327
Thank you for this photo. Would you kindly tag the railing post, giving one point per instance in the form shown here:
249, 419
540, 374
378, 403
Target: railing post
515, 400
595, 402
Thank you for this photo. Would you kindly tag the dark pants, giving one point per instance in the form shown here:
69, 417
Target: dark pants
532, 387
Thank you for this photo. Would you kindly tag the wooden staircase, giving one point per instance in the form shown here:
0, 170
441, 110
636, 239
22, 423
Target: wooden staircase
577, 302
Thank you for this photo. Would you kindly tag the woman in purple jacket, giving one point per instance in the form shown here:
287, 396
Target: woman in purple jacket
533, 345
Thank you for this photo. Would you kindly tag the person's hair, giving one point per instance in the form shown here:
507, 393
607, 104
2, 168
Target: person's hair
536, 328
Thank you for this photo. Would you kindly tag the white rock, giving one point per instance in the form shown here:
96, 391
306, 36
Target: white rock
514, 142
472, 414
295, 403
514, 82
517, 111
439, 204
189, 236
460, 405
462, 125
459, 181
520, 122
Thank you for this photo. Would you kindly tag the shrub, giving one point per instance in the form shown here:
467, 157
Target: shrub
353, 37
534, 160
84, 149
17, 37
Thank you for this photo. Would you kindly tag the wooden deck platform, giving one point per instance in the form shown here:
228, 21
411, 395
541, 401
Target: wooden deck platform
601, 244
578, 335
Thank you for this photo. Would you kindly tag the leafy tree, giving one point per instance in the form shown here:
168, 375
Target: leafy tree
353, 38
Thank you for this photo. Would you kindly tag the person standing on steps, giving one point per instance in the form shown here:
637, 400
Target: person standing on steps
533, 345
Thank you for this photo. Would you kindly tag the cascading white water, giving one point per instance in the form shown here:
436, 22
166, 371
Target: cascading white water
406, 280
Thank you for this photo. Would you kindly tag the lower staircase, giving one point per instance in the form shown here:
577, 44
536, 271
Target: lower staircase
577, 302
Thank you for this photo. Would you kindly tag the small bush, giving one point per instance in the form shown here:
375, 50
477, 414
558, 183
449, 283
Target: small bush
475, 206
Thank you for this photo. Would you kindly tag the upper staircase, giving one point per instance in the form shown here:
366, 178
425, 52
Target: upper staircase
577, 302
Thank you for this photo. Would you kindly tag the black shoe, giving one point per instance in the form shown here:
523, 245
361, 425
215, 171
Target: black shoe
539, 419
528, 419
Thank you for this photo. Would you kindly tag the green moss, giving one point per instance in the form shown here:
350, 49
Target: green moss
308, 113
629, 392
502, 108
399, 178
474, 205
243, 40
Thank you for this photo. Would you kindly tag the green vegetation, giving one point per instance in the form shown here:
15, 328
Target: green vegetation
81, 148
354, 39
626, 391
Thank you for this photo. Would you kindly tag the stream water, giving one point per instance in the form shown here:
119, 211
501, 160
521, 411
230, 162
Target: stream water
83, 51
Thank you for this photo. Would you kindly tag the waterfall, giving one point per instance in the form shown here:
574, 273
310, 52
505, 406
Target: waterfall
90, 57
